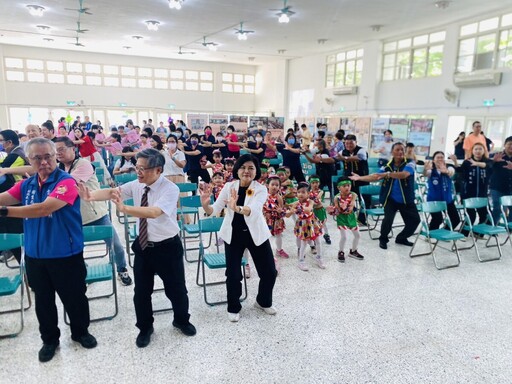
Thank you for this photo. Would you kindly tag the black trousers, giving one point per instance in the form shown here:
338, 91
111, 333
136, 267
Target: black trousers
193, 175
236, 154
409, 214
165, 260
437, 217
297, 174
66, 276
263, 258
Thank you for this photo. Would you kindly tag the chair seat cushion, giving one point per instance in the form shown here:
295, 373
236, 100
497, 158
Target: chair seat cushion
187, 210
98, 272
444, 235
486, 229
217, 260
9, 285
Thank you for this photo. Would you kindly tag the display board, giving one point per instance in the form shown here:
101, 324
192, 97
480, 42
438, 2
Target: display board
239, 122
379, 126
420, 133
400, 129
196, 122
276, 126
362, 130
218, 123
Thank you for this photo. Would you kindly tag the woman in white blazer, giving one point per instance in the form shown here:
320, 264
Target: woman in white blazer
244, 227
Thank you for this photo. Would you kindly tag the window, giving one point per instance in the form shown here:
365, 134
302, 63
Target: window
145, 72
128, 71
161, 84
145, 83
176, 85
56, 66
35, 64
75, 79
35, 77
15, 76
344, 68
74, 67
161, 73
127, 82
13, 63
486, 44
414, 57
54, 78
111, 70
237, 83
94, 69
93, 80
111, 81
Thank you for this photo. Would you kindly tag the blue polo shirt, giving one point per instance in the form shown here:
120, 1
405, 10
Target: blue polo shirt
396, 191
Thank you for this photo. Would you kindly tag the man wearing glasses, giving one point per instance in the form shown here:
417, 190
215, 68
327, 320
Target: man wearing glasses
477, 136
157, 248
53, 245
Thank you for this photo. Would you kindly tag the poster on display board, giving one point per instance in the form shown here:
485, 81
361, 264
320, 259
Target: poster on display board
420, 133
196, 122
400, 128
239, 122
333, 124
219, 123
276, 127
362, 130
379, 126
255, 121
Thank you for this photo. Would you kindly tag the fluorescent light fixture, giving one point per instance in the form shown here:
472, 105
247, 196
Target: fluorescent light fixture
175, 4
152, 25
212, 47
242, 36
36, 10
283, 18
43, 28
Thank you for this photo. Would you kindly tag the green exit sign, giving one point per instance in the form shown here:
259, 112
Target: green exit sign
172, 106
489, 103
123, 104
70, 103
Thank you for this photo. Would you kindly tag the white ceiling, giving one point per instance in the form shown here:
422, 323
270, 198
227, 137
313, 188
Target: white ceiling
343, 23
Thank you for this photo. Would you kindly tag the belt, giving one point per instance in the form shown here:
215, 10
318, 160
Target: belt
153, 244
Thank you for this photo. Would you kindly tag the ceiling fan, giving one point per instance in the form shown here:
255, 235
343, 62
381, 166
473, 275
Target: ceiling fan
180, 52
284, 13
78, 30
80, 10
77, 43
210, 45
241, 32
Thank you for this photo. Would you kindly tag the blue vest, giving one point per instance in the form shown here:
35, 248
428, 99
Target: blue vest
406, 185
58, 235
439, 187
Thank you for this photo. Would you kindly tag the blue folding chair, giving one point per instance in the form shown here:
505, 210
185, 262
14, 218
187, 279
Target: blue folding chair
209, 225
438, 235
9, 285
375, 214
124, 178
506, 205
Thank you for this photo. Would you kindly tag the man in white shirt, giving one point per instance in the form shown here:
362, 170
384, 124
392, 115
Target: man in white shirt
158, 249
306, 136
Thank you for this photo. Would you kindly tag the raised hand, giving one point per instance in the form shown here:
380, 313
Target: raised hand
84, 192
205, 191
231, 202
354, 177
498, 157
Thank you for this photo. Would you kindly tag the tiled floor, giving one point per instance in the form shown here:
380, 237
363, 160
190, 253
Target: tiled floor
387, 319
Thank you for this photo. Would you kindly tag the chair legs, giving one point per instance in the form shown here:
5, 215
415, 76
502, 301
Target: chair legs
432, 252
21, 309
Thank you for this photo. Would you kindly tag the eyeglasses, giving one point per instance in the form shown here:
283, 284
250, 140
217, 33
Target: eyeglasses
39, 159
142, 169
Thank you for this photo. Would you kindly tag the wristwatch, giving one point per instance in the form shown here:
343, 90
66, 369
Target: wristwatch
4, 211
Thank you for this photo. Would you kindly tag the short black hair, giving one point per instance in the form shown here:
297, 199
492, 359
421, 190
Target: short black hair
397, 143
66, 140
10, 135
48, 125
246, 159
217, 174
508, 139
303, 184
159, 142
351, 137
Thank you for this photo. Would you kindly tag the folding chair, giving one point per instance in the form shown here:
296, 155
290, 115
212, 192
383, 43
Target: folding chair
9, 284
506, 204
481, 229
214, 261
373, 162
276, 162
187, 187
189, 205
374, 213
124, 178
100, 272
209, 225
443, 234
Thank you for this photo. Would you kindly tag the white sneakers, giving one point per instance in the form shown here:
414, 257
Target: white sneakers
233, 317
269, 310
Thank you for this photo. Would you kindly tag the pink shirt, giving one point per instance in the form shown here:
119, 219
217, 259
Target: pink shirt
66, 190
234, 138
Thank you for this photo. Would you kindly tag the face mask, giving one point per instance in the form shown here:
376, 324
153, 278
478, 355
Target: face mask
219, 138
193, 142
387, 139
171, 145
185, 135
291, 141
177, 134
208, 132
259, 139
230, 132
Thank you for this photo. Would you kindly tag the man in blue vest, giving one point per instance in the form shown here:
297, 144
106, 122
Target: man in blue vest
53, 245
396, 194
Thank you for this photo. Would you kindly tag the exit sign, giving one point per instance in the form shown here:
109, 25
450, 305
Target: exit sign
489, 103
70, 103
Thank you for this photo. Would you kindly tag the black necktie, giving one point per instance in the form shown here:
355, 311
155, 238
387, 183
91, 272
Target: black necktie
143, 222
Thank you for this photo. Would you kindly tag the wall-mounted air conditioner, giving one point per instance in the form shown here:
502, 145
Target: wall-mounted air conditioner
477, 79
352, 90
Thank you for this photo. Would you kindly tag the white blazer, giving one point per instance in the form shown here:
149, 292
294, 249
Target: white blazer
255, 221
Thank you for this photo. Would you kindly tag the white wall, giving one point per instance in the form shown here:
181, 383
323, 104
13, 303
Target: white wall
56, 95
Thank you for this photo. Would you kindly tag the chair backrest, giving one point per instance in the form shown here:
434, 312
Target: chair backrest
506, 201
191, 201
100, 172
475, 202
10, 241
373, 170
210, 224
433, 206
369, 190
373, 162
97, 232
96, 164
187, 187
125, 178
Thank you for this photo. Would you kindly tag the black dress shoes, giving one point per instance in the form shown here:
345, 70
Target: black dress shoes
87, 341
383, 245
144, 338
47, 352
187, 329
404, 242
